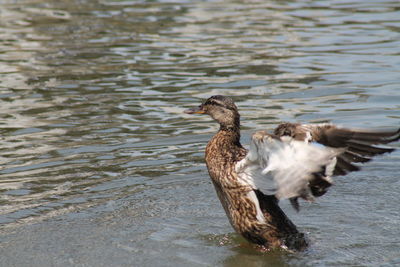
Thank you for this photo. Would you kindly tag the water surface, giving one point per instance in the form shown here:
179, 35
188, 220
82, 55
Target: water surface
99, 166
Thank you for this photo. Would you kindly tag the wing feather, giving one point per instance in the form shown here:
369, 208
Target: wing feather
285, 167
290, 165
359, 145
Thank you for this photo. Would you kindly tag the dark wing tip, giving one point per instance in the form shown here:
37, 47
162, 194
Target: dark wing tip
360, 146
377, 137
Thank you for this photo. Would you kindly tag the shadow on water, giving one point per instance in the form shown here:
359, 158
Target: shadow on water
249, 257
98, 164
242, 253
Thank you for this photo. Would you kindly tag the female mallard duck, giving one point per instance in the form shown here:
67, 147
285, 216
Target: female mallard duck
287, 164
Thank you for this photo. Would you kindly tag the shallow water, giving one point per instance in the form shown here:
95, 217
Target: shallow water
100, 167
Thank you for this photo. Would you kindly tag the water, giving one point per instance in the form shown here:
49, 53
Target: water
100, 167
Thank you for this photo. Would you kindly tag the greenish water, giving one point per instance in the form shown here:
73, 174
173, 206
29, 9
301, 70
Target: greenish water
100, 167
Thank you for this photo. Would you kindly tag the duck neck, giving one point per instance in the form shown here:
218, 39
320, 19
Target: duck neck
225, 146
231, 133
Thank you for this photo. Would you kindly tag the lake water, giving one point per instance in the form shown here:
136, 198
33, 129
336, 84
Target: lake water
100, 167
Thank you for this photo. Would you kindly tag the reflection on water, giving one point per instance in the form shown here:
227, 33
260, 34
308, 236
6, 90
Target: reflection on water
94, 142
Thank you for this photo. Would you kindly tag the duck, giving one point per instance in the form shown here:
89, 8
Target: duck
295, 161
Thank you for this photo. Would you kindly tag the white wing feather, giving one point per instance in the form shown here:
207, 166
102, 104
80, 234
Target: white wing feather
284, 167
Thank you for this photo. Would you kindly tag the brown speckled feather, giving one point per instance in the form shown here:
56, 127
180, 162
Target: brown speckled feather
222, 153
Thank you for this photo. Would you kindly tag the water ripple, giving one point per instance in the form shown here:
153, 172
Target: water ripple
91, 102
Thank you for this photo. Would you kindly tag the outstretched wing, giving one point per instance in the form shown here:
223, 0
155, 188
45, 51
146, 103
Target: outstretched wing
359, 145
286, 168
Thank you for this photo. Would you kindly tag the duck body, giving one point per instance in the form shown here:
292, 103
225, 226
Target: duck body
284, 165
255, 216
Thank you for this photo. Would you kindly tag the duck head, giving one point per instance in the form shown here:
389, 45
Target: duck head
220, 108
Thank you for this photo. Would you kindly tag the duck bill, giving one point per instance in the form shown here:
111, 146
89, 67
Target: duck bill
197, 110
